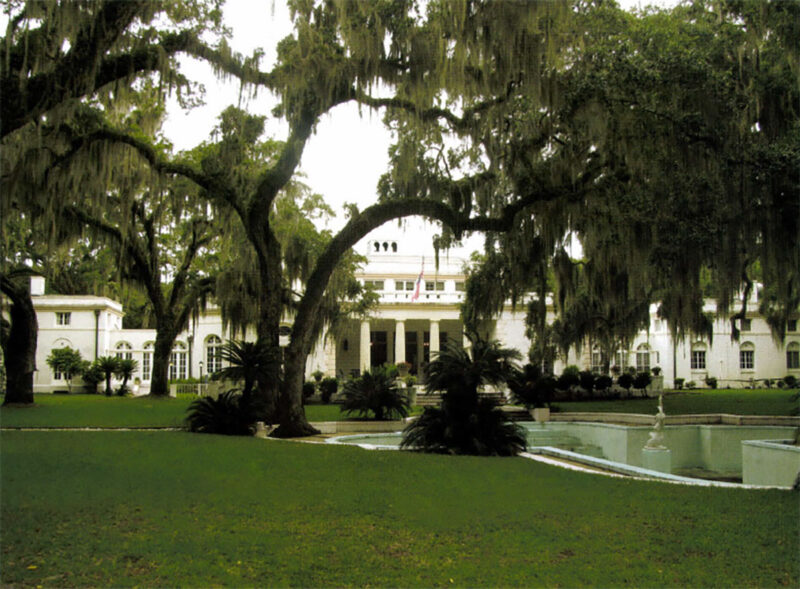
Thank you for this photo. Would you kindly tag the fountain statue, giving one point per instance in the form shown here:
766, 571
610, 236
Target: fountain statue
656, 441
655, 455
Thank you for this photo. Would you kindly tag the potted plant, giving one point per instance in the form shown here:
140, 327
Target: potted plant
318, 374
534, 390
403, 368
328, 388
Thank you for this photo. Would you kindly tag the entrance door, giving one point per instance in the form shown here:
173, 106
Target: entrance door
411, 350
377, 341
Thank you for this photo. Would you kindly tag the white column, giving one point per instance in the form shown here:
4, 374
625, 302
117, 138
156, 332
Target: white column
434, 339
399, 342
364, 348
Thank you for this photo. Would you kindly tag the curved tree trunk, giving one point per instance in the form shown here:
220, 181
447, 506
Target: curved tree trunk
19, 347
291, 415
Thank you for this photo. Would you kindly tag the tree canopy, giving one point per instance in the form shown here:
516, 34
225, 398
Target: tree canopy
665, 141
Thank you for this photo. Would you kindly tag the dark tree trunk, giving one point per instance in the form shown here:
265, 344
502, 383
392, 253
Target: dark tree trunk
19, 346
165, 338
291, 415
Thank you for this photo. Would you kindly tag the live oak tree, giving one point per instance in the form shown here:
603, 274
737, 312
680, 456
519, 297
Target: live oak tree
685, 123
543, 119
57, 52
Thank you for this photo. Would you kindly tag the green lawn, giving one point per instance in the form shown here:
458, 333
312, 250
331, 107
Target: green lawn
737, 402
177, 509
101, 411
96, 411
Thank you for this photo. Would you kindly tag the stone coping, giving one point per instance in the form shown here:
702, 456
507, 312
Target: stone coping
362, 427
689, 419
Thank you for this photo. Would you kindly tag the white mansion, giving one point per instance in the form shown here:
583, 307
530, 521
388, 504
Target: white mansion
418, 312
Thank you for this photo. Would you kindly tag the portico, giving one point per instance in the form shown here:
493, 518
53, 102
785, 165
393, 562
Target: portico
394, 335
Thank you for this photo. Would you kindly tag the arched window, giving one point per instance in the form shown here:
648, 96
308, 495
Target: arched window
61, 342
643, 358
213, 354
747, 356
147, 361
123, 351
698, 356
177, 361
793, 356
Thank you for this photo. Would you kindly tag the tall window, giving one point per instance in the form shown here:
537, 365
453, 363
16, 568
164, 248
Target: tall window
123, 351
698, 356
597, 360
63, 318
213, 354
177, 361
643, 358
793, 356
147, 361
747, 353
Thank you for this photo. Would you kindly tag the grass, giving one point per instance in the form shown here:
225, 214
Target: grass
101, 411
96, 411
737, 402
176, 509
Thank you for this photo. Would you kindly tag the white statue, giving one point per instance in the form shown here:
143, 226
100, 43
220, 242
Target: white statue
656, 441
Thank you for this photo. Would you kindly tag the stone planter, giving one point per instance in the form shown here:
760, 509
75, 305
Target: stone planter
541, 414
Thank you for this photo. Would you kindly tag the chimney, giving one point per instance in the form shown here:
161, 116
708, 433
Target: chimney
37, 286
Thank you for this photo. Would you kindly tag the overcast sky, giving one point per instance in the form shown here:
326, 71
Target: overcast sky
346, 156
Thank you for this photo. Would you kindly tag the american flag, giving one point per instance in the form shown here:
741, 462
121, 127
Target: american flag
415, 296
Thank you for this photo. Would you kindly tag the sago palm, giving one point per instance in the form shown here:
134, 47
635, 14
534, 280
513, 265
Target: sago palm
377, 393
247, 362
466, 423
228, 414
125, 369
108, 366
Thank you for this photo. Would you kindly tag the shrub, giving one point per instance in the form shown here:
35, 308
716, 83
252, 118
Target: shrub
467, 423
642, 380
67, 361
530, 388
569, 378
482, 430
309, 388
92, 376
679, 383
375, 392
691, 385
125, 369
328, 388
108, 365
625, 380
587, 380
603, 382
229, 414
790, 381
711, 382
246, 362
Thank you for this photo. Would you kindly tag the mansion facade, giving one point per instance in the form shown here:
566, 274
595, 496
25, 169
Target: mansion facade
417, 314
